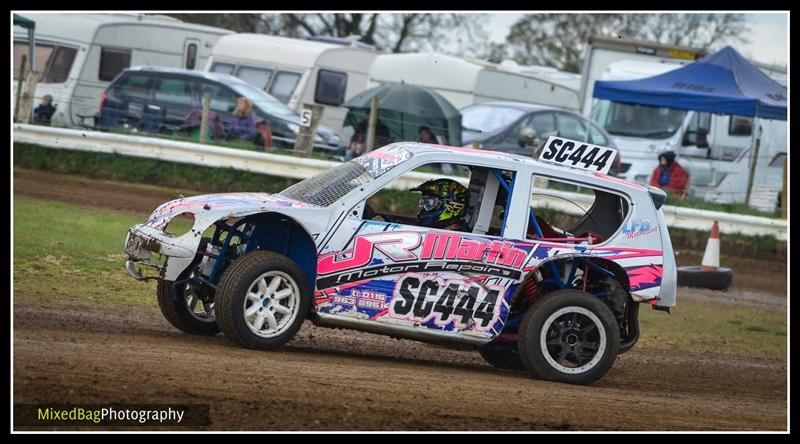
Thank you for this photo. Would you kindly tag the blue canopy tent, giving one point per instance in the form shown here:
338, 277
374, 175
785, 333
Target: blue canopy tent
722, 83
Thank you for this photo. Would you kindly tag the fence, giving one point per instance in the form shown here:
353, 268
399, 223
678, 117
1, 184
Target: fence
302, 168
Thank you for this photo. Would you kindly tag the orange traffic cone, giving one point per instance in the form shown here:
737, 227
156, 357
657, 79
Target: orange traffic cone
711, 256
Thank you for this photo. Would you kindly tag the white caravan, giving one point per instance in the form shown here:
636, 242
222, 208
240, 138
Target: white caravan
719, 168
297, 71
465, 82
78, 55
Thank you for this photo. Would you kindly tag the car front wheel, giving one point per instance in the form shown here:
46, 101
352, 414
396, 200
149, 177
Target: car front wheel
262, 300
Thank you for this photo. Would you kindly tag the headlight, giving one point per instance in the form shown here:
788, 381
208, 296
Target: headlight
318, 138
293, 127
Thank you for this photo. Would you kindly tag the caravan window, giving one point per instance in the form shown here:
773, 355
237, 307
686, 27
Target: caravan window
223, 68
60, 65
112, 62
284, 85
255, 76
42, 54
191, 55
331, 86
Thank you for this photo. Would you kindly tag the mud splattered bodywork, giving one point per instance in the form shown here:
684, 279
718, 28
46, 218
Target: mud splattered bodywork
411, 281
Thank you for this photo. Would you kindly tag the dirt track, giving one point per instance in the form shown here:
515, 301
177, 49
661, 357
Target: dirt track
344, 380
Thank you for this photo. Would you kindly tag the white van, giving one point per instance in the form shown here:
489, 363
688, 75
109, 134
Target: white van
296, 71
465, 82
719, 168
78, 55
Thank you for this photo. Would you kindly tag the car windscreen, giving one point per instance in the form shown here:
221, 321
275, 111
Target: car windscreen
623, 119
488, 119
262, 100
328, 187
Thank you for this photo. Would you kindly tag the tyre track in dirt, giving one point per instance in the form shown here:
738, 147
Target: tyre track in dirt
345, 380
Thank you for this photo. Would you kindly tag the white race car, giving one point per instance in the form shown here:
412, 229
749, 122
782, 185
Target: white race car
557, 298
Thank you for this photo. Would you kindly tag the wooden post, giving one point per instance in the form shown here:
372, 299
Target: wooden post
204, 116
753, 167
784, 197
373, 123
304, 144
26, 107
20, 85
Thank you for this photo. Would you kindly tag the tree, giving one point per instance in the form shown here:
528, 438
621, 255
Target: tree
558, 40
463, 34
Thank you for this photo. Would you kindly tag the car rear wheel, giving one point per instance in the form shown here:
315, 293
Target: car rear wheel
262, 300
569, 336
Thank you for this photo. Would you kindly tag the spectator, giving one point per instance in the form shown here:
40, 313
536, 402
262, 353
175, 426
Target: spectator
426, 136
263, 137
44, 112
670, 176
358, 143
243, 121
191, 125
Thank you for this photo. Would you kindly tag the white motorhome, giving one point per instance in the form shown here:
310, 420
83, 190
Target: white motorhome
297, 71
465, 82
719, 169
78, 55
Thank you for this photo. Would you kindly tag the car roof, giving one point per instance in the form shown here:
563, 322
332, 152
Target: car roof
521, 106
511, 161
215, 76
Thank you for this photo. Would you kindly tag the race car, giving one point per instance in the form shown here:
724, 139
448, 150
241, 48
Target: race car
528, 293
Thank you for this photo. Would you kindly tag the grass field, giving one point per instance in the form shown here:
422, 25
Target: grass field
63, 253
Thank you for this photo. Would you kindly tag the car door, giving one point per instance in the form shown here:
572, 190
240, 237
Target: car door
175, 97
387, 268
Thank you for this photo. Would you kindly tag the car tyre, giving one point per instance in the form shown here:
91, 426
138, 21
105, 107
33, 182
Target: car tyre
262, 300
568, 336
695, 276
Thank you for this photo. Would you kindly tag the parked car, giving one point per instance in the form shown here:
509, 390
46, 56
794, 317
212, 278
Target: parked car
522, 128
160, 99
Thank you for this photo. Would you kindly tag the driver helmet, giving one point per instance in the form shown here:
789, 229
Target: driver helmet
443, 201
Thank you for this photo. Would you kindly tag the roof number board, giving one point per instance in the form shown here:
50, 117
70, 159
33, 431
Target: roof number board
575, 154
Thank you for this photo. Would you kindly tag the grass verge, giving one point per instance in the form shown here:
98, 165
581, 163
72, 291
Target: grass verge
65, 253
707, 327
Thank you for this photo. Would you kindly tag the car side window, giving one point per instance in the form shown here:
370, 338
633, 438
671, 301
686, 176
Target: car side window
483, 200
222, 99
596, 136
598, 214
134, 87
513, 135
571, 128
173, 91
